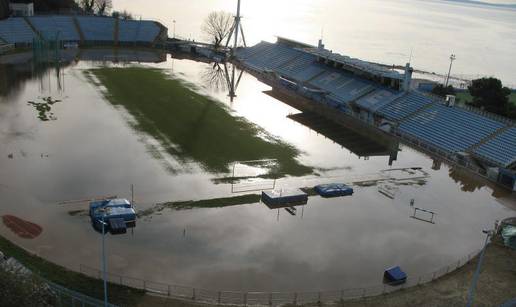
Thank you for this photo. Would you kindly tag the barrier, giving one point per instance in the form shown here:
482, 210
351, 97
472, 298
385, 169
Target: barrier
6, 48
67, 297
270, 298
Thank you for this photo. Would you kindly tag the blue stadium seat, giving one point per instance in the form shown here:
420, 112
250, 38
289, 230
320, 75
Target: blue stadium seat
61, 27
449, 128
97, 28
378, 99
15, 30
405, 106
343, 85
500, 150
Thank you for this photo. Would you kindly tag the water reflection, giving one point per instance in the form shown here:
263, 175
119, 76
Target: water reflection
14, 76
215, 77
358, 144
93, 153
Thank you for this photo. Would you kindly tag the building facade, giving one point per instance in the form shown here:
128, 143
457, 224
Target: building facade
22, 8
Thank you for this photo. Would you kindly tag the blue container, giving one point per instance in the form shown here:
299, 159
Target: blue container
109, 209
395, 276
333, 190
280, 198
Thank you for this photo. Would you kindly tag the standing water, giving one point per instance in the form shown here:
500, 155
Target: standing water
88, 128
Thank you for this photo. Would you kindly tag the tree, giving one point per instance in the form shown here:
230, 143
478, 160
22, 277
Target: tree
217, 26
122, 15
511, 111
103, 6
99, 7
214, 77
55, 5
442, 91
490, 94
4, 9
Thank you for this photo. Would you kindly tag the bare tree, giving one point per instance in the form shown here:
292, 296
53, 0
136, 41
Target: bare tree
218, 26
122, 15
103, 6
87, 6
99, 7
214, 77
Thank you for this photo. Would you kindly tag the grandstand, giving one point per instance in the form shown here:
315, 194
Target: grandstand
499, 150
450, 129
137, 31
378, 95
62, 26
404, 106
88, 30
16, 31
97, 29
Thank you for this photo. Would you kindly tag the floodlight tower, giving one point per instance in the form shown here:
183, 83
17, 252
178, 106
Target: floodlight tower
452, 58
237, 27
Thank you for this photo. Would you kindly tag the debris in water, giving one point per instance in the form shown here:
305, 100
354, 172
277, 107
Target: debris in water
44, 108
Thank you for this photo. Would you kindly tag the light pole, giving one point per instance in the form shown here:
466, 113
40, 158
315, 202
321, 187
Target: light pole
174, 21
489, 234
104, 261
452, 58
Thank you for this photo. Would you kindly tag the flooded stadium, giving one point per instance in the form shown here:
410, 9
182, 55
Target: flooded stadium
70, 134
212, 149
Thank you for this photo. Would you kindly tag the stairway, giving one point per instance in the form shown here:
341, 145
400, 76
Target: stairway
488, 138
32, 27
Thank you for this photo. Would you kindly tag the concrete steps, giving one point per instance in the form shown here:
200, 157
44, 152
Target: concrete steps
488, 138
32, 27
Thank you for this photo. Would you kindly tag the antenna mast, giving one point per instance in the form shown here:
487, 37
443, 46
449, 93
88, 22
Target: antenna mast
237, 27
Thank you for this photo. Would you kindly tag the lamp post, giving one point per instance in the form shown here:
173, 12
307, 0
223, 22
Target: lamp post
174, 21
452, 58
471, 293
104, 260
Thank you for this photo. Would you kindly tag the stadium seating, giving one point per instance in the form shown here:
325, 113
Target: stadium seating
449, 128
345, 86
299, 64
97, 28
94, 28
137, 31
51, 26
269, 56
378, 99
16, 30
289, 62
500, 150
405, 106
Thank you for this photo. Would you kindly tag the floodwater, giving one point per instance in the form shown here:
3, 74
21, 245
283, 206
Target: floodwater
89, 147
482, 34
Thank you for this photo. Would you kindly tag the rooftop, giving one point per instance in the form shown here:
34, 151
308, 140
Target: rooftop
358, 64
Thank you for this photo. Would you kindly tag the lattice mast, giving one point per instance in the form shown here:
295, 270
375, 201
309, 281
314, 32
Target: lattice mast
236, 28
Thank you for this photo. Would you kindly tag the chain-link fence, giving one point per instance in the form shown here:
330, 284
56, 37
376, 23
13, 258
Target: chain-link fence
268, 298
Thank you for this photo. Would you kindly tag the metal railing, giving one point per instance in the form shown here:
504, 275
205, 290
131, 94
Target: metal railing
269, 298
493, 116
4, 48
447, 156
67, 297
